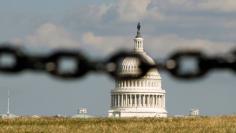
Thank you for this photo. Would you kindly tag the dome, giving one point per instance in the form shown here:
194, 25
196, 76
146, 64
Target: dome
130, 66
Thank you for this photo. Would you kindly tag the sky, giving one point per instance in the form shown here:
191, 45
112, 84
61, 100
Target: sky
101, 27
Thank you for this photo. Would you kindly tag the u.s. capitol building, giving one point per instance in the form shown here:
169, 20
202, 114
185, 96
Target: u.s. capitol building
138, 97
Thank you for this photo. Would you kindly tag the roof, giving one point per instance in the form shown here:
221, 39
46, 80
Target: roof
130, 65
81, 116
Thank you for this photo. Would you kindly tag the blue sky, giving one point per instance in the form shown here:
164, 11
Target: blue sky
101, 27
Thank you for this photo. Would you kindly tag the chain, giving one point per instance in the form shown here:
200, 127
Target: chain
174, 64
203, 63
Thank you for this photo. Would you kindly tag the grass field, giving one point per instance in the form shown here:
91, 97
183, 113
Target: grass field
223, 124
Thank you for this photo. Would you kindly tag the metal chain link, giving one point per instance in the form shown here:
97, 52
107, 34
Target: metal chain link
174, 64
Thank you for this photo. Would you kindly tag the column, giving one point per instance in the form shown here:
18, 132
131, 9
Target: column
122, 100
128, 104
112, 100
126, 100
118, 99
115, 100
153, 101
145, 100
113, 103
148, 101
159, 101
135, 101
139, 100
164, 102
131, 101
158, 104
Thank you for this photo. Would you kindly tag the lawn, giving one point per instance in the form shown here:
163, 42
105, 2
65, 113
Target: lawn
221, 124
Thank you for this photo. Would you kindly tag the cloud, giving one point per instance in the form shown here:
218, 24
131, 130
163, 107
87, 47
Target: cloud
121, 11
218, 5
135, 10
106, 44
49, 35
157, 45
231, 24
93, 13
166, 44
198, 5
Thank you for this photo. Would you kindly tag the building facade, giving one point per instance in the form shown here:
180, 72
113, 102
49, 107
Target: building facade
142, 97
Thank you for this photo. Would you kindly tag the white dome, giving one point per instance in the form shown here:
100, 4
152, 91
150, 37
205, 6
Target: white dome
130, 66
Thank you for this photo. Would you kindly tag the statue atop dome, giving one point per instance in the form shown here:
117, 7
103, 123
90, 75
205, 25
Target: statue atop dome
138, 30
139, 26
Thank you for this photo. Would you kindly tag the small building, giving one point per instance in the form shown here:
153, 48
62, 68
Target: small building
8, 116
35, 116
194, 112
82, 113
